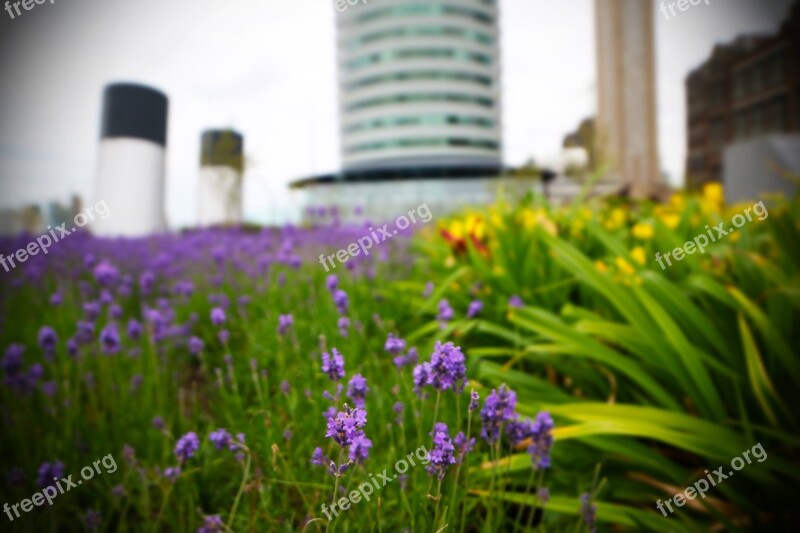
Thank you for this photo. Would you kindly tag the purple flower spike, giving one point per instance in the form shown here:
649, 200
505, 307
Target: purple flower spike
357, 390
48, 471
220, 438
345, 426
446, 371
109, 338
333, 366
474, 309
48, 339
473, 400
443, 451
445, 312
341, 301
195, 345
498, 408
284, 322
541, 440
217, 316
186, 446
394, 345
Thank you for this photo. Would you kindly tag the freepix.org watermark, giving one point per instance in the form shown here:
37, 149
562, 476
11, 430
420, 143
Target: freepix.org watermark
27, 5
381, 480
701, 241
43, 242
57, 487
701, 486
365, 243
342, 5
682, 5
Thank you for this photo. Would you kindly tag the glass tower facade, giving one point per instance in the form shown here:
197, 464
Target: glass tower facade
419, 84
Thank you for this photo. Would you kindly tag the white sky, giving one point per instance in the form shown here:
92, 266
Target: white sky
267, 68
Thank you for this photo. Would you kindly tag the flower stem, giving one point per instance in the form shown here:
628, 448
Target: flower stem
241, 488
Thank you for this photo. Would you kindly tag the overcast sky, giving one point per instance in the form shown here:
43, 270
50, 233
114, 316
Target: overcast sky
267, 68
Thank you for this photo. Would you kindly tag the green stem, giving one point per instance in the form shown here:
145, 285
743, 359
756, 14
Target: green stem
241, 489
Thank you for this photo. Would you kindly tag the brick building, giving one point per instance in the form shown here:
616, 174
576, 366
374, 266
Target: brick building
746, 89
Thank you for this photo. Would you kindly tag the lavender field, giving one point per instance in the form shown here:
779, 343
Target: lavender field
523, 367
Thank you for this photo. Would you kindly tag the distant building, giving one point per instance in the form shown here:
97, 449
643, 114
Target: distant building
131, 161
626, 110
769, 158
420, 110
747, 89
419, 84
221, 169
585, 137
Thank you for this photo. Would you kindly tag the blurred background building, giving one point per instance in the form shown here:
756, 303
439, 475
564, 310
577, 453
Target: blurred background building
420, 107
221, 171
743, 105
130, 168
626, 92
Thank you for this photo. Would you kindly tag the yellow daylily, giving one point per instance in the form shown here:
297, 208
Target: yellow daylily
643, 231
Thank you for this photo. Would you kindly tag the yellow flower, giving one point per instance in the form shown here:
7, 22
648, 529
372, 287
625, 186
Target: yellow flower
714, 193
450, 261
638, 255
456, 229
643, 231
601, 266
624, 266
671, 220
615, 219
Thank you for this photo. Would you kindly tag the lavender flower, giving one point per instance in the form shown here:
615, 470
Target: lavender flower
171, 473
497, 409
134, 329
463, 446
332, 282
284, 322
48, 471
109, 338
48, 339
195, 345
409, 359
442, 454
344, 325
446, 312
398, 408
220, 438
446, 370
544, 495
105, 273
359, 448
318, 458
341, 301
394, 345
333, 366
217, 316
346, 425
473, 400
56, 299
515, 301
541, 440
428, 289
474, 309
357, 390
186, 446
211, 524
588, 511
159, 424
285, 387
93, 519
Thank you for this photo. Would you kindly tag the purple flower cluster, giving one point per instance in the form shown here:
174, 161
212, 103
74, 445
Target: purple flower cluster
394, 345
443, 453
498, 408
284, 323
48, 473
217, 316
474, 309
186, 446
346, 428
333, 365
357, 390
445, 371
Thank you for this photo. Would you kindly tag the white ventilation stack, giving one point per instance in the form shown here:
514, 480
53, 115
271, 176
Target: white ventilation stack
130, 175
221, 168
